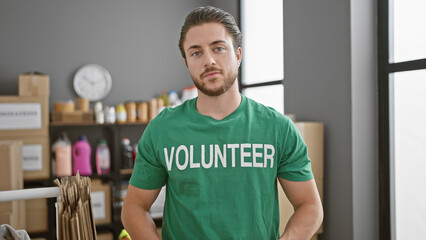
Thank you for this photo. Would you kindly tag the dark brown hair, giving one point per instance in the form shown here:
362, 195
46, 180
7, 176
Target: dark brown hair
210, 14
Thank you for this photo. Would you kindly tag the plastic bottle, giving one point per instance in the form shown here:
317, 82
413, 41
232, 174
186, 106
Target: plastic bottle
135, 152
62, 150
99, 113
81, 152
126, 154
174, 99
160, 105
120, 113
189, 93
165, 98
103, 158
109, 114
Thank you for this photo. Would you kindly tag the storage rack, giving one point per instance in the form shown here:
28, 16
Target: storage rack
113, 133
33, 193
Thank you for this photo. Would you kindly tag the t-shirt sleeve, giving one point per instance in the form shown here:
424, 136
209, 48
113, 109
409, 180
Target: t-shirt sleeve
294, 163
148, 172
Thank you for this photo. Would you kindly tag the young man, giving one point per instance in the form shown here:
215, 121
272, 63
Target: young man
220, 154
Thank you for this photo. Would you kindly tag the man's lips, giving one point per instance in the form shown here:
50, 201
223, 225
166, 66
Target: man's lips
211, 74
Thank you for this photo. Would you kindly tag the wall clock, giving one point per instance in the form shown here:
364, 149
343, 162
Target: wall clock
92, 81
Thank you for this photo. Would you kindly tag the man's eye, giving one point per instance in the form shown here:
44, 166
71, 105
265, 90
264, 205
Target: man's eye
195, 54
219, 49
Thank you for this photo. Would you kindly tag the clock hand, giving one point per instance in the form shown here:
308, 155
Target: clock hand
89, 80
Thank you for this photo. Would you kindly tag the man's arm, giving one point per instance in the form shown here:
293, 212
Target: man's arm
135, 213
308, 212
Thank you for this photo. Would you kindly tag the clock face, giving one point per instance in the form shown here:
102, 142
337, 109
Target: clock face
93, 82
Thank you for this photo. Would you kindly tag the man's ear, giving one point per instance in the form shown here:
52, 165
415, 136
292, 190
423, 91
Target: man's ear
239, 54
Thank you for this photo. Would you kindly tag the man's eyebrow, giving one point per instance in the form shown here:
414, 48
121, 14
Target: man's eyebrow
217, 41
193, 46
211, 44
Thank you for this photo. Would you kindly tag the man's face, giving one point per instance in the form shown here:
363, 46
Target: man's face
211, 58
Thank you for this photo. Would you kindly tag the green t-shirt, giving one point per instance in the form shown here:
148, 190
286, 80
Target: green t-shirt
220, 175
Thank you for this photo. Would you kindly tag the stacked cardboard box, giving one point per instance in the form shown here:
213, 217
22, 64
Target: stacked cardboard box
313, 135
25, 118
11, 178
37, 215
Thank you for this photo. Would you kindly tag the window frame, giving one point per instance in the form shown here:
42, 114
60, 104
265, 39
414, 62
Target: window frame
241, 85
385, 68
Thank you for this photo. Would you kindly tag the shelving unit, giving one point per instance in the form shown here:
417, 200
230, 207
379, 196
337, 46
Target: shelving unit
113, 133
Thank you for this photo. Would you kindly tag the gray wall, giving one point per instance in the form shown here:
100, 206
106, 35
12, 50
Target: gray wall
317, 60
329, 74
135, 40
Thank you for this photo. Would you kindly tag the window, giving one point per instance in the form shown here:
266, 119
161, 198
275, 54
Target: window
263, 52
408, 161
402, 117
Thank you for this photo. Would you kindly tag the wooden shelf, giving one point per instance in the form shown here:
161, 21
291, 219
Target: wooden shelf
94, 124
113, 133
126, 171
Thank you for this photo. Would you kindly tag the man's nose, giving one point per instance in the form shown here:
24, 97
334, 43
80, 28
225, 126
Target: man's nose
209, 59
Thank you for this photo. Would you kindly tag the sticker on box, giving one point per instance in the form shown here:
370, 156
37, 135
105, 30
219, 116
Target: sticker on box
32, 157
20, 116
98, 204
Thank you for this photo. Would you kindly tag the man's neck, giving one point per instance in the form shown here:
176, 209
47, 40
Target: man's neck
221, 106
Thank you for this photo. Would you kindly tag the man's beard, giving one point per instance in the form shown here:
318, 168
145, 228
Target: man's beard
229, 80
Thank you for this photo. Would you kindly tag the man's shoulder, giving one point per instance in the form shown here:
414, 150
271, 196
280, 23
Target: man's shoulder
171, 114
264, 112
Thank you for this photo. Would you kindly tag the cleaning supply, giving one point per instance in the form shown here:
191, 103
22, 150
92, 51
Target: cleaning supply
126, 154
120, 113
62, 152
81, 152
99, 113
135, 152
109, 114
174, 100
103, 158
165, 98
189, 93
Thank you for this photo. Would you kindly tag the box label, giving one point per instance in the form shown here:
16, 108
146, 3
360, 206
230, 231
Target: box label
15, 116
32, 157
98, 204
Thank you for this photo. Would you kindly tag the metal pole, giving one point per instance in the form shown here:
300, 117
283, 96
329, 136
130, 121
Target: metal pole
32, 193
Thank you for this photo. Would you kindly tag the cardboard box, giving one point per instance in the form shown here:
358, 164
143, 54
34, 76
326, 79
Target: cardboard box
101, 202
35, 156
73, 117
11, 178
34, 85
105, 236
313, 135
11, 174
13, 213
36, 215
24, 116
